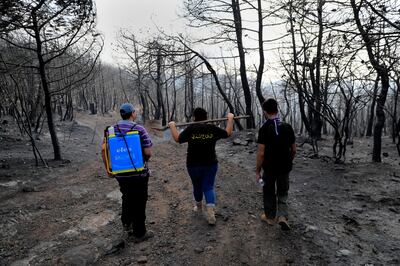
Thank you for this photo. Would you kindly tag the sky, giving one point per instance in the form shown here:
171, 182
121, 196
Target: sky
142, 17
135, 16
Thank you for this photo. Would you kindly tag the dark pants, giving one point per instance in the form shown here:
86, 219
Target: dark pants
134, 199
275, 194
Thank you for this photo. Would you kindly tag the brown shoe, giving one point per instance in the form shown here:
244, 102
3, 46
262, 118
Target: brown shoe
211, 215
269, 221
282, 221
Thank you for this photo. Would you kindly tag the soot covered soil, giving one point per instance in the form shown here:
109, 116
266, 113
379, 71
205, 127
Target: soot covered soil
69, 213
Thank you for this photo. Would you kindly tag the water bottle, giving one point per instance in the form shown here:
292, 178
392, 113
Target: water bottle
111, 131
261, 182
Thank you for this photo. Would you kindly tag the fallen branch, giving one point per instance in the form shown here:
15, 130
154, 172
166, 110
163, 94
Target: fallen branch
201, 122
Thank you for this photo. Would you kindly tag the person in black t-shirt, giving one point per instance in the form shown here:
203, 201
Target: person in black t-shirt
276, 151
201, 161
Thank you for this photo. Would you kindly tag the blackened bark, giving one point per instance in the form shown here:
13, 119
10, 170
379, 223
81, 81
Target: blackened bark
166, 99
46, 89
157, 114
212, 96
372, 109
260, 70
395, 104
383, 72
295, 76
317, 85
160, 100
172, 117
380, 117
243, 75
398, 137
315, 105
145, 115
215, 76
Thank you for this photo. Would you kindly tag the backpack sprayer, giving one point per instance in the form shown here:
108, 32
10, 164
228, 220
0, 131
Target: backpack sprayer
122, 152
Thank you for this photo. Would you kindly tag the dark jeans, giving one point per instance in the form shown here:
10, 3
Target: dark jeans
134, 199
275, 194
203, 179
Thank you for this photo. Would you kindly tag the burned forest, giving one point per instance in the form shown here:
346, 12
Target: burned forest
67, 68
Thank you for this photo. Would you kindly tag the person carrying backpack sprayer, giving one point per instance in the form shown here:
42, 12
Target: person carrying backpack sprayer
126, 160
201, 161
276, 151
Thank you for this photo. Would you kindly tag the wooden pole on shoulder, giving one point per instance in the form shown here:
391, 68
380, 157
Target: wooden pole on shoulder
201, 122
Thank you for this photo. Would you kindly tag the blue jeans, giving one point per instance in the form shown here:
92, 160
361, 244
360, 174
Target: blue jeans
203, 179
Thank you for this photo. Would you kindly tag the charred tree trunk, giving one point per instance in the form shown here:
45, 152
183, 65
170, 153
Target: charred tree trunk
46, 89
295, 76
160, 111
260, 70
380, 117
372, 109
395, 104
167, 112
69, 108
84, 100
143, 101
242, 56
398, 137
383, 72
172, 117
217, 83
189, 98
212, 96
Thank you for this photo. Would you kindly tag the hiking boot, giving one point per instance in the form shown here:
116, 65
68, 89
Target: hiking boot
282, 221
269, 221
147, 235
211, 215
198, 207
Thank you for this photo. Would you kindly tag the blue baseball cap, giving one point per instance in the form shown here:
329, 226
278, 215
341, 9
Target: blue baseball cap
126, 108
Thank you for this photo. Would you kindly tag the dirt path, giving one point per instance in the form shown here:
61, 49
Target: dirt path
184, 238
69, 214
